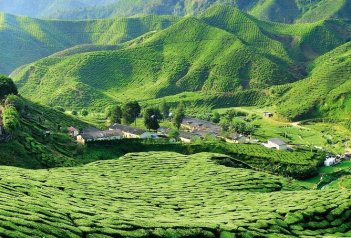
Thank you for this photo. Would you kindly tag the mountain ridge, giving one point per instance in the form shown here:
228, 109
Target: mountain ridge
223, 51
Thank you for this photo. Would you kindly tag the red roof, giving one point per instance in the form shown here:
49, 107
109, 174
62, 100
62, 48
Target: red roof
72, 129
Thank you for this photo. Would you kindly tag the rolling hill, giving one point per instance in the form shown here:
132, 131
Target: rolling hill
223, 52
328, 88
31, 148
165, 194
24, 40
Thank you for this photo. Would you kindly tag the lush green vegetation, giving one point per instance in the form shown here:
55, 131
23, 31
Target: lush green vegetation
24, 40
165, 195
228, 57
299, 164
327, 86
38, 136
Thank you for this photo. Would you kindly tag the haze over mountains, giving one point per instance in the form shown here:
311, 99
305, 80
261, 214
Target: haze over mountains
287, 11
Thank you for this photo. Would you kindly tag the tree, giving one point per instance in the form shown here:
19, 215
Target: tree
74, 113
11, 119
179, 115
174, 133
216, 117
7, 87
115, 115
164, 108
84, 113
130, 112
151, 118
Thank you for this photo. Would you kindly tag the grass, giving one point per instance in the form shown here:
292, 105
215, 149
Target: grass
164, 195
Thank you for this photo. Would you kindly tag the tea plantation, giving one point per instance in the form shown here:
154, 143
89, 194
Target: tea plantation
164, 194
224, 56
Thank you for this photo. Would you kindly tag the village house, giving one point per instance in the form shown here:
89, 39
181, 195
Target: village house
331, 160
91, 135
197, 125
133, 133
268, 114
276, 143
239, 138
187, 137
163, 131
73, 131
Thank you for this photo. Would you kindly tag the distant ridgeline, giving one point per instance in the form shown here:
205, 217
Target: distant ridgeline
221, 58
286, 11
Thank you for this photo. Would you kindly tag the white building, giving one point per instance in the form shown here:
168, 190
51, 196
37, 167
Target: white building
276, 143
330, 161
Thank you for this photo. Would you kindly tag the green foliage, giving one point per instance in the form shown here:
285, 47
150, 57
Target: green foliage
115, 114
164, 109
7, 87
174, 133
179, 115
216, 117
16, 101
24, 40
130, 112
224, 58
11, 119
84, 113
165, 194
74, 113
151, 118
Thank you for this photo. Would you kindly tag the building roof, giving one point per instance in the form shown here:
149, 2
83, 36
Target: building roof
277, 141
201, 125
187, 135
101, 134
127, 129
72, 129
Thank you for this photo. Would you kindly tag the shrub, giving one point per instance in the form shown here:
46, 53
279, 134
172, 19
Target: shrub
84, 113
7, 87
11, 119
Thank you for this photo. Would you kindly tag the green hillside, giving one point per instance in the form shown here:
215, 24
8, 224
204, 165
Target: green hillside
24, 40
328, 88
224, 54
31, 148
165, 195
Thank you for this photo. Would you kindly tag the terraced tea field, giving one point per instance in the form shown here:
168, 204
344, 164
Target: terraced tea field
163, 194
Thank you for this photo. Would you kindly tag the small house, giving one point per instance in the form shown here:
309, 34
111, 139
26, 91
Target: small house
187, 137
73, 131
96, 135
276, 143
201, 126
268, 114
163, 131
330, 161
133, 133
239, 138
